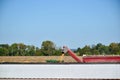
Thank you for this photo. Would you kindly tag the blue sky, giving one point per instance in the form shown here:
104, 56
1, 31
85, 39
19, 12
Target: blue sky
74, 23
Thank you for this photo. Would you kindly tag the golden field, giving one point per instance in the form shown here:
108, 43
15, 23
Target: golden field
34, 59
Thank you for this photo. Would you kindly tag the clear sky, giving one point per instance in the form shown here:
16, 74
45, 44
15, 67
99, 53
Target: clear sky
74, 23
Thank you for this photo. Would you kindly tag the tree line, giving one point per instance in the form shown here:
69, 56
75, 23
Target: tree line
99, 49
48, 48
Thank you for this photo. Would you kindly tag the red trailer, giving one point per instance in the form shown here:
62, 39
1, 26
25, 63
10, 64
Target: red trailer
101, 59
92, 59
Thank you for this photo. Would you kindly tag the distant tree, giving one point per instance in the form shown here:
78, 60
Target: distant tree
95, 52
48, 48
21, 49
119, 49
30, 50
114, 48
99, 49
14, 50
79, 52
4, 52
58, 52
4, 49
86, 50
17, 49
106, 50
4, 46
38, 52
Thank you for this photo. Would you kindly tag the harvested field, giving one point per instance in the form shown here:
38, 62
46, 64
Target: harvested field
33, 59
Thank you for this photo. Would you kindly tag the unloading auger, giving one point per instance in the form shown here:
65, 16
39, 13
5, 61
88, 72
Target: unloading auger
73, 55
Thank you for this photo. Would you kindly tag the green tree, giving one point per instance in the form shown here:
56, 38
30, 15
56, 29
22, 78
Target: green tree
4, 49
106, 50
114, 48
4, 46
99, 49
14, 50
119, 49
30, 50
79, 52
17, 49
95, 52
48, 48
57, 52
4, 52
21, 49
38, 52
86, 50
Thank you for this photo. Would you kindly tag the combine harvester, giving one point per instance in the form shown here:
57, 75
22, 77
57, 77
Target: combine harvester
92, 59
